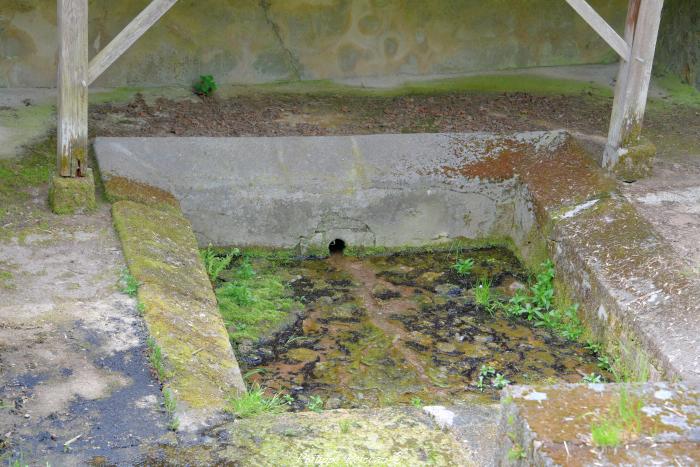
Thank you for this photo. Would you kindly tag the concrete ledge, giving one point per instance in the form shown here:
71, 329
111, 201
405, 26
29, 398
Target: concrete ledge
180, 310
551, 425
375, 437
72, 195
387, 190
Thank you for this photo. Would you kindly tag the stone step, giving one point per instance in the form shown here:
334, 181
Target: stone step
462, 435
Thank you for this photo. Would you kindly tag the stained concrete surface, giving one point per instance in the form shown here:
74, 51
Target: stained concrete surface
386, 190
72, 346
255, 41
655, 423
670, 200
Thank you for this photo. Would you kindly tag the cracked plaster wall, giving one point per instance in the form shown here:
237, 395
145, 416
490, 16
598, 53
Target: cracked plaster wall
250, 41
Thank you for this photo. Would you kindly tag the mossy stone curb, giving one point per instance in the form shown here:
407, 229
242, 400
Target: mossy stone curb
370, 437
180, 310
72, 195
636, 162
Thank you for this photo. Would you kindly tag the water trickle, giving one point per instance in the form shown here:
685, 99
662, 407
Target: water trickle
391, 329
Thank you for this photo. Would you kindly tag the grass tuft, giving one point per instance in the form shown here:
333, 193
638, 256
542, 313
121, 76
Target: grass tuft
155, 356
482, 295
130, 285
255, 402
252, 302
622, 422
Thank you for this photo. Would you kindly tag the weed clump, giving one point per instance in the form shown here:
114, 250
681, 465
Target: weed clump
129, 284
250, 302
464, 266
536, 305
205, 86
215, 264
255, 402
622, 422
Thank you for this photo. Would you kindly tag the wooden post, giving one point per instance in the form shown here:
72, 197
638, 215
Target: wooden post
72, 87
631, 90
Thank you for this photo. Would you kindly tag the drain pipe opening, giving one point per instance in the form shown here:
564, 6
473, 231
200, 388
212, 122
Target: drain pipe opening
336, 247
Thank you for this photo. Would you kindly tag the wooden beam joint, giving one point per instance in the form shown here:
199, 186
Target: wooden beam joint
599, 25
126, 38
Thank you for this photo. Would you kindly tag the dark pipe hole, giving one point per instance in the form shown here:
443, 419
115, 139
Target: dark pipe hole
336, 247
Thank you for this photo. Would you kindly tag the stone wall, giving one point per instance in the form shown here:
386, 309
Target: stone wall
678, 49
250, 41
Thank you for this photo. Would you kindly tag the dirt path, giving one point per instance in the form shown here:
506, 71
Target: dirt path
72, 353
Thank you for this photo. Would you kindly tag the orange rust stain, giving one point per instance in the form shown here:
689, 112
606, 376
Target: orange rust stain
555, 179
119, 188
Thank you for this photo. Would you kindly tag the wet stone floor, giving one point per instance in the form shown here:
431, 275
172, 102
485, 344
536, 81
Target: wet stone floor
401, 329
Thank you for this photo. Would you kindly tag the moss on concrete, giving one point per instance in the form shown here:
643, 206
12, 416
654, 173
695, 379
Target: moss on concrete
483, 83
119, 188
72, 195
179, 308
636, 161
394, 436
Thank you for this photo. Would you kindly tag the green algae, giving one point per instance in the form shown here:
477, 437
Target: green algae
72, 195
33, 169
408, 327
376, 437
253, 304
179, 306
678, 91
483, 83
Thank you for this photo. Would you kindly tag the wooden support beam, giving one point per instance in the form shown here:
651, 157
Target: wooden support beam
72, 87
599, 25
130, 34
632, 88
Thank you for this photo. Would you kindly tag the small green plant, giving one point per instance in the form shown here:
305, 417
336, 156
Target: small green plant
464, 266
482, 295
130, 285
536, 304
205, 86
499, 381
18, 462
606, 433
604, 363
140, 308
245, 270
255, 402
592, 378
596, 348
315, 404
170, 405
288, 399
253, 301
485, 373
516, 453
215, 264
155, 356
489, 376
344, 426
237, 292
621, 422
417, 402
